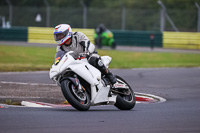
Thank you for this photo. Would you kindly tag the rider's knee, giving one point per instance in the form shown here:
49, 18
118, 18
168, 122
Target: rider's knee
94, 59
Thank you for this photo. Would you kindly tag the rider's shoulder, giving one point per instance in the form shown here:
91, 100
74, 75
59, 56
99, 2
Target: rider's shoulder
78, 33
74, 33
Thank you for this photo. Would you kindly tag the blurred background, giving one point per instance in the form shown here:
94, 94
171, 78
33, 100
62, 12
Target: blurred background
153, 15
143, 23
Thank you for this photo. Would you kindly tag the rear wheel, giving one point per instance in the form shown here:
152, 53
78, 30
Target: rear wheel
98, 43
78, 99
125, 99
113, 45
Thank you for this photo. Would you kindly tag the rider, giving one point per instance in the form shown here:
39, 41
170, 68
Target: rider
99, 30
79, 43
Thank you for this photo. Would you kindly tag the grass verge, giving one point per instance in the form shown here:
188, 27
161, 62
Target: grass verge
22, 58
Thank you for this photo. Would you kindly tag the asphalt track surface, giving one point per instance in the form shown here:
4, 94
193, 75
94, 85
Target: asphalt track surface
180, 113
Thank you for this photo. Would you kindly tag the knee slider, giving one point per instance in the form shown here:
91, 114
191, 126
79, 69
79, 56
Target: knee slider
93, 61
100, 63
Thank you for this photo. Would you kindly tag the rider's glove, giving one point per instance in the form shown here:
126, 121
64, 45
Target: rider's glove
85, 54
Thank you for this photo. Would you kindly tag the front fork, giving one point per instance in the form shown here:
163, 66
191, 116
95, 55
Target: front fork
74, 79
75, 82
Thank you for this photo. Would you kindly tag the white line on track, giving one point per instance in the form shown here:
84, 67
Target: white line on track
144, 95
23, 83
28, 72
164, 68
156, 68
47, 105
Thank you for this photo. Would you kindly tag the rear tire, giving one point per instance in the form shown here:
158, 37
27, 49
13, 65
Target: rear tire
125, 102
79, 100
98, 43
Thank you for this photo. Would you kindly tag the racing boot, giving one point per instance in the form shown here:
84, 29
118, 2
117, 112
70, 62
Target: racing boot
97, 62
111, 77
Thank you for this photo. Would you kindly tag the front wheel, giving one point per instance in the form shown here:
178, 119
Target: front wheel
79, 100
126, 97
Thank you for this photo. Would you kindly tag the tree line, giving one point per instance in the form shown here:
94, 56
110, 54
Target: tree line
147, 4
139, 14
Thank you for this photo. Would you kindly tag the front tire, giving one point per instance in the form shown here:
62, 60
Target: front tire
79, 100
125, 102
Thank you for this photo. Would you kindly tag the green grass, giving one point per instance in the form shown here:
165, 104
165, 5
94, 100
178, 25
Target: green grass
123, 59
21, 58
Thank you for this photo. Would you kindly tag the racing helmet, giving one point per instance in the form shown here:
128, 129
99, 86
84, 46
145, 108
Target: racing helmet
62, 33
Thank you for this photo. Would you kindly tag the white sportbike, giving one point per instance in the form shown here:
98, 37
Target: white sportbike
83, 85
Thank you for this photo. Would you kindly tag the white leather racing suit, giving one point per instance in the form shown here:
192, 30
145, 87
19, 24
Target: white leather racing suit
80, 44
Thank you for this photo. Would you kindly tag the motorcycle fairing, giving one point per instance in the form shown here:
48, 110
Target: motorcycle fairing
87, 72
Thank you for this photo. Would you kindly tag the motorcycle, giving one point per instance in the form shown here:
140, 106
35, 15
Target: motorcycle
83, 85
105, 39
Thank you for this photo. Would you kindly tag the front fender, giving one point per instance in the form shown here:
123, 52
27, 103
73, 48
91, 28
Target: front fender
74, 80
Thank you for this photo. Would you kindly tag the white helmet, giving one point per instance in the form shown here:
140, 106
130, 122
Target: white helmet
64, 29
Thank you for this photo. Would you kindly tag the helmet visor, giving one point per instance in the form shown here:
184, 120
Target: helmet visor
60, 35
